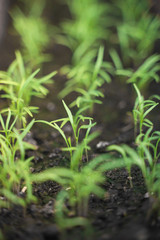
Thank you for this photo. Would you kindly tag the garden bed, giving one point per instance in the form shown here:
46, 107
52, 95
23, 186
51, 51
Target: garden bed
125, 212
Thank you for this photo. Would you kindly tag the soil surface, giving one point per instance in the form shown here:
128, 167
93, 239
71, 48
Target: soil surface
125, 213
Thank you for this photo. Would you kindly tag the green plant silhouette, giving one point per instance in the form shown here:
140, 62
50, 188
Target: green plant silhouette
14, 167
20, 85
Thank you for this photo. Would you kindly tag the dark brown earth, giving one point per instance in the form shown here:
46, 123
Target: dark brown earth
125, 213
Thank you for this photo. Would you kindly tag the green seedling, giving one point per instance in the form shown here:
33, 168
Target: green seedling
19, 86
141, 109
14, 176
79, 181
145, 156
79, 184
83, 34
62, 213
86, 78
137, 35
7, 127
146, 153
135, 10
35, 8
76, 124
87, 28
14, 168
134, 23
145, 73
34, 33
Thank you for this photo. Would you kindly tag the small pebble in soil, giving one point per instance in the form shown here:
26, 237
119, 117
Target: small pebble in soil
102, 144
51, 106
122, 104
146, 195
52, 155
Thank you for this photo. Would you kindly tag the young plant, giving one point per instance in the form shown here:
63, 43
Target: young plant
78, 185
83, 34
8, 126
20, 85
79, 181
76, 123
35, 8
62, 213
134, 23
87, 28
141, 109
144, 74
86, 78
146, 154
15, 176
14, 168
34, 32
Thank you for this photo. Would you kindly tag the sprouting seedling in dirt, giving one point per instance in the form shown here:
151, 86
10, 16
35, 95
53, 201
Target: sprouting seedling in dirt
34, 32
146, 154
141, 109
143, 46
64, 222
19, 86
14, 167
86, 78
78, 185
145, 157
128, 162
77, 123
144, 74
10, 135
8, 126
134, 23
83, 34
79, 181
87, 28
35, 8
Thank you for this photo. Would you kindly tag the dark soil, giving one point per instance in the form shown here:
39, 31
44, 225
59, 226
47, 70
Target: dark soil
125, 213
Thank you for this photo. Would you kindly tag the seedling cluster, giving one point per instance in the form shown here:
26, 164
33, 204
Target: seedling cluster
14, 168
146, 153
19, 85
104, 46
35, 36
